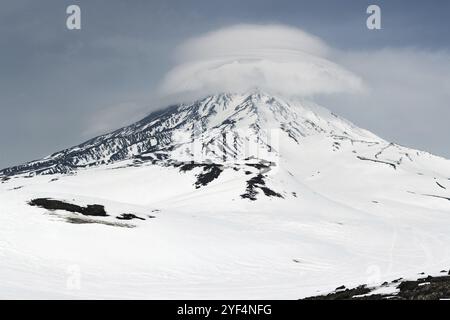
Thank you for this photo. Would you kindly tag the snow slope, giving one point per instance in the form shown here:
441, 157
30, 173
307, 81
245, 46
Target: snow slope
243, 196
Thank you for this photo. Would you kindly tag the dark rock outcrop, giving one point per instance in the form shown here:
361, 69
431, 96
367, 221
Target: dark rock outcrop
51, 204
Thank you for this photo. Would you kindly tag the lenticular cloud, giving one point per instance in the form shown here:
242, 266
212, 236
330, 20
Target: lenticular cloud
277, 59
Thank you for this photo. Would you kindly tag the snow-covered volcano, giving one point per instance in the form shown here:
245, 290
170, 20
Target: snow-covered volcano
225, 128
232, 196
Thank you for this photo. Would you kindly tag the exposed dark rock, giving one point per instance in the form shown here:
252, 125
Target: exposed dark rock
429, 288
270, 193
342, 293
439, 197
128, 216
189, 166
259, 166
440, 185
407, 285
255, 183
210, 172
228, 121
379, 161
94, 210
50, 204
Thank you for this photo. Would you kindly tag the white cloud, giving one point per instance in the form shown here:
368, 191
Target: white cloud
405, 97
406, 78
274, 58
408, 96
112, 117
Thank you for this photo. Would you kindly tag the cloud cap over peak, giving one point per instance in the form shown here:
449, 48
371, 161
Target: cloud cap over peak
247, 38
275, 58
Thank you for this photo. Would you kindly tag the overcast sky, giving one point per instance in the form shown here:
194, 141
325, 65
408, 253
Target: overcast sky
60, 87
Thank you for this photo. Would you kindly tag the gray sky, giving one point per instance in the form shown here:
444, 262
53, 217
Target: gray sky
60, 87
